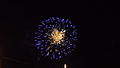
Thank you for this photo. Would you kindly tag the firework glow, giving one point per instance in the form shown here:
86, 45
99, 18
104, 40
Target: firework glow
55, 37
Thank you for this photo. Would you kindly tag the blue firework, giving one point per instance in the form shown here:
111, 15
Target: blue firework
55, 37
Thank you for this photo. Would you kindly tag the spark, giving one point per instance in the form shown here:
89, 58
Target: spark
57, 36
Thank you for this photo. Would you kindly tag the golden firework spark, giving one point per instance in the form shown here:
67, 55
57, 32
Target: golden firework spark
57, 36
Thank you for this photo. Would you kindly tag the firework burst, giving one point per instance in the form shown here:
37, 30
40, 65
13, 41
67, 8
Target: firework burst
55, 37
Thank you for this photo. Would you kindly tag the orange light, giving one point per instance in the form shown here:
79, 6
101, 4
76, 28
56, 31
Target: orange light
57, 36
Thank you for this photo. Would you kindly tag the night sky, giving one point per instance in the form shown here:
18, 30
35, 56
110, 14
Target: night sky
98, 42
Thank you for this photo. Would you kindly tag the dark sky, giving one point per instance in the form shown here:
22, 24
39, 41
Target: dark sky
98, 43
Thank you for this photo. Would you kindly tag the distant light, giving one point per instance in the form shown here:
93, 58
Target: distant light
65, 66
